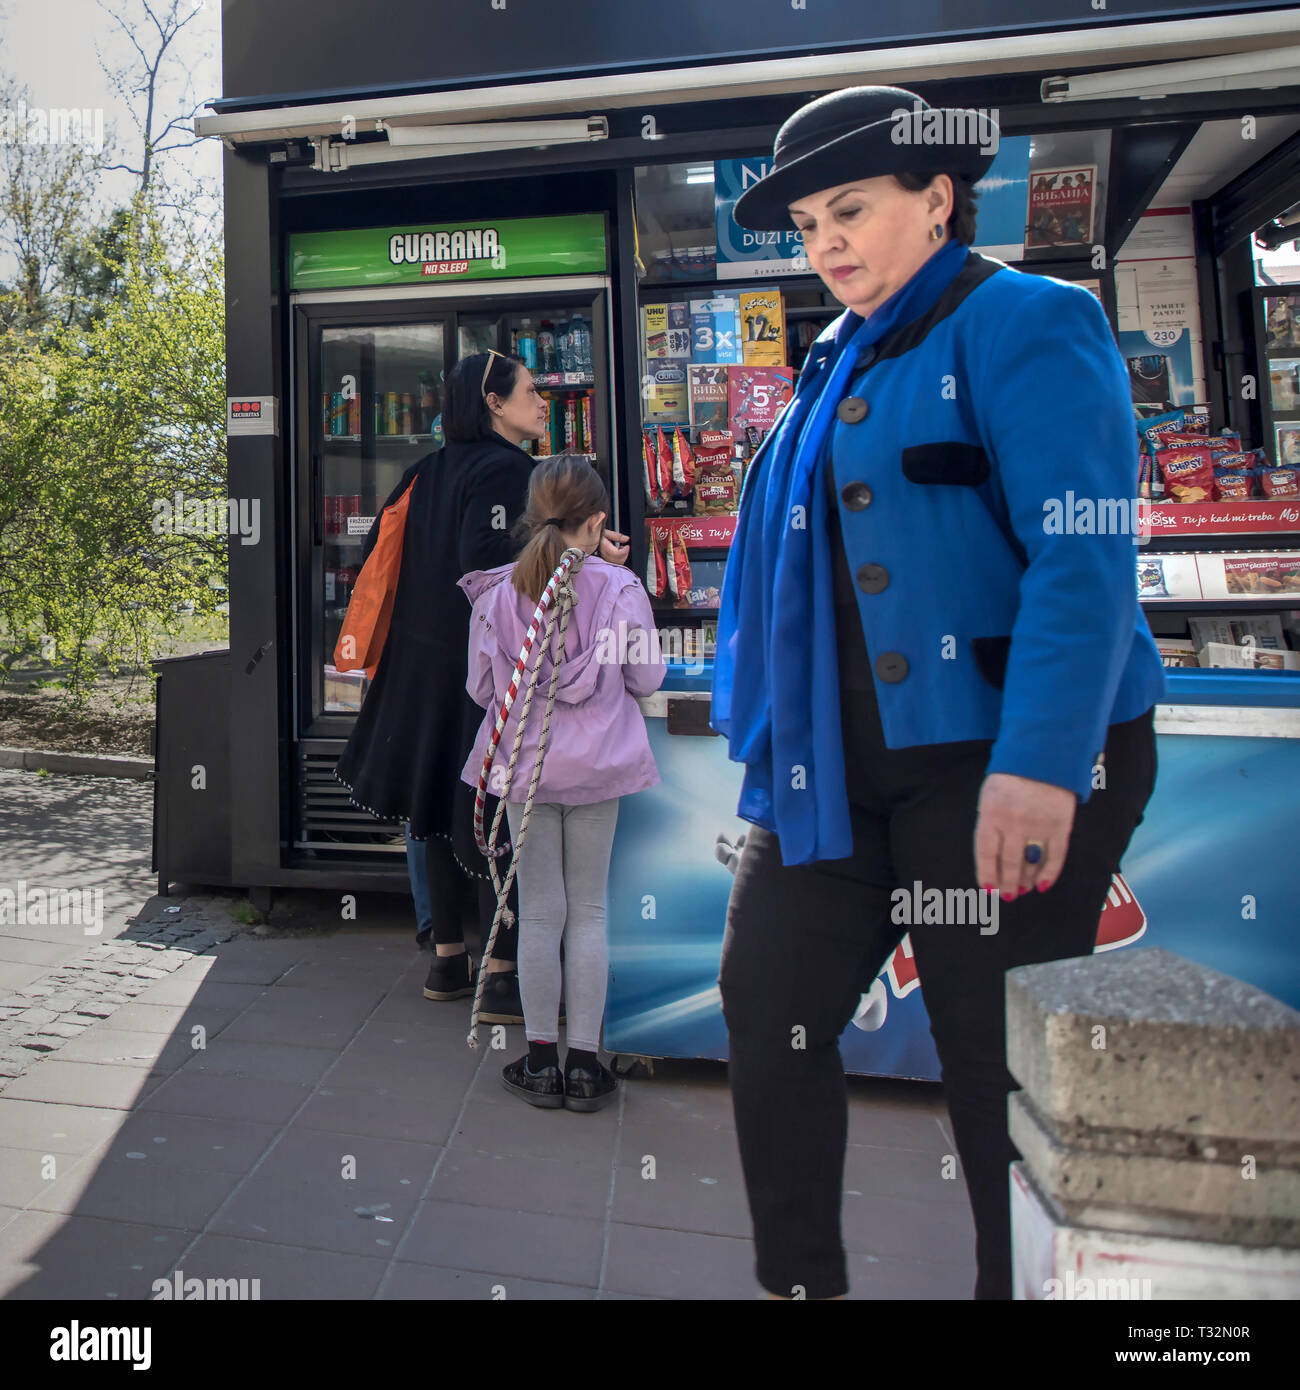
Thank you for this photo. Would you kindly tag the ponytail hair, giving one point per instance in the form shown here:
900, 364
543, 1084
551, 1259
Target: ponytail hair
564, 492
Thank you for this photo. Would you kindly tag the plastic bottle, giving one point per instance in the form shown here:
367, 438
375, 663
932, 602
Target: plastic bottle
528, 345
547, 355
582, 345
564, 345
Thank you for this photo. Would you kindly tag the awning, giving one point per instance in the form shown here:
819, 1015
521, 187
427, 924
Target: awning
1166, 41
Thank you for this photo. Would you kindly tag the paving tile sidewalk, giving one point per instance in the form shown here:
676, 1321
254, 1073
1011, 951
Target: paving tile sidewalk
190, 1095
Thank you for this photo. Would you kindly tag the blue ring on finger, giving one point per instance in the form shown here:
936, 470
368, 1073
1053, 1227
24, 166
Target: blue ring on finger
1033, 852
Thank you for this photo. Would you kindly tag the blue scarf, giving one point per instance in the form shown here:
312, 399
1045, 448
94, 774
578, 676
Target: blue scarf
776, 674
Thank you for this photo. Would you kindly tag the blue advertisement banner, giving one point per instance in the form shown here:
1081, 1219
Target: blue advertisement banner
1201, 878
745, 255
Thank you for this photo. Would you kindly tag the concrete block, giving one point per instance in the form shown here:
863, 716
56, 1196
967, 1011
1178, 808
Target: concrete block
1229, 1198
1148, 1043
1054, 1260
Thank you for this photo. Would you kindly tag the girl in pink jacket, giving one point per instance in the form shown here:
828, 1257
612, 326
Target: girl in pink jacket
597, 751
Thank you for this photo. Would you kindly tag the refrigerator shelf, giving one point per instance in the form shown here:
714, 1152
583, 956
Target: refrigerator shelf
573, 381
354, 440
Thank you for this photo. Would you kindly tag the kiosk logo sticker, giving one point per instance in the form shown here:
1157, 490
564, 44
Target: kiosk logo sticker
444, 253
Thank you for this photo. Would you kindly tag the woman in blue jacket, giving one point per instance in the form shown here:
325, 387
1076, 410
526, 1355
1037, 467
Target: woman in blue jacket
930, 680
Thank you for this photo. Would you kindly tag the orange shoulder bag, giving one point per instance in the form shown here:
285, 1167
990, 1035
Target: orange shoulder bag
365, 626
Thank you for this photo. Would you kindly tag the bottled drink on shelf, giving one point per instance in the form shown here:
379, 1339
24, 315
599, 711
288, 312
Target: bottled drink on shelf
428, 403
581, 334
547, 355
564, 346
527, 340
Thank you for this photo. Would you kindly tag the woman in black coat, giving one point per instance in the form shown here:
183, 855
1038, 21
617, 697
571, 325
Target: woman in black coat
418, 723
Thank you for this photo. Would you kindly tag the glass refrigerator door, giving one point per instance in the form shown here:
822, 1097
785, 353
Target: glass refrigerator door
561, 344
377, 394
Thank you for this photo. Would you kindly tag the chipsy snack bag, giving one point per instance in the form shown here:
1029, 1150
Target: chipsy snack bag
650, 470
1188, 473
664, 457
656, 573
683, 464
679, 567
1151, 430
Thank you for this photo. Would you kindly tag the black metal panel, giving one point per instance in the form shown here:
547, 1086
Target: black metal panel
1242, 360
1256, 196
259, 610
1207, 289
1141, 158
192, 770
299, 49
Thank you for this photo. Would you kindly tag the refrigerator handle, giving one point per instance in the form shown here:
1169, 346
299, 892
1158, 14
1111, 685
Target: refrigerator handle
316, 527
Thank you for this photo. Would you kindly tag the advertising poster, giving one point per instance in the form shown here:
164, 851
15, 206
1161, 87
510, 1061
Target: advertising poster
676, 851
1061, 206
1003, 194
745, 255
1159, 313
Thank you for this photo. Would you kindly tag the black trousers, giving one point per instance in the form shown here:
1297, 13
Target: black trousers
802, 943
447, 887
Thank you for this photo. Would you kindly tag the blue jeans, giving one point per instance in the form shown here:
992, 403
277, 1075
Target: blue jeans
418, 870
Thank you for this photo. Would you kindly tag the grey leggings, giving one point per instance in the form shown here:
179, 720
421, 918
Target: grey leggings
563, 875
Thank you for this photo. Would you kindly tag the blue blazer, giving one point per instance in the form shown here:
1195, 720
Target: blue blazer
986, 616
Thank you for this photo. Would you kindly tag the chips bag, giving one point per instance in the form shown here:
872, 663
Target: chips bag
1280, 482
1230, 483
664, 455
679, 568
656, 573
650, 471
1188, 473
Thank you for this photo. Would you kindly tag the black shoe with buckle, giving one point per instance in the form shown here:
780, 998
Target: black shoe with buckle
545, 1088
501, 1002
588, 1088
450, 977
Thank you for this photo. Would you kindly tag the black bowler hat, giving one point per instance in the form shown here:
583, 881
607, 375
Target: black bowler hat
861, 133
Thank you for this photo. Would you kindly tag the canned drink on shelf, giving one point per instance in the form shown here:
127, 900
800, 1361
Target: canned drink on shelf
406, 414
354, 414
557, 426
325, 412
392, 412
338, 413
588, 434
570, 425
380, 422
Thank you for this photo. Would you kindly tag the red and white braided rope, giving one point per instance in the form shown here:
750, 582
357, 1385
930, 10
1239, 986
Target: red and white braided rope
559, 583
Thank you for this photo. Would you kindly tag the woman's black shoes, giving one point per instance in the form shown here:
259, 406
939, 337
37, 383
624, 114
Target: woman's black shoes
450, 977
545, 1089
501, 1002
588, 1088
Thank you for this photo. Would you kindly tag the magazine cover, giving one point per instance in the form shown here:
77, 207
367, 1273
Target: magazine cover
709, 397
1061, 206
757, 396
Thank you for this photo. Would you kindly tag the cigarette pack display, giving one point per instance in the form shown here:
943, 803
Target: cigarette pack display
715, 330
709, 397
762, 321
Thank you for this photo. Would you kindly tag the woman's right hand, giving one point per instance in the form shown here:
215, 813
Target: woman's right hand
615, 547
